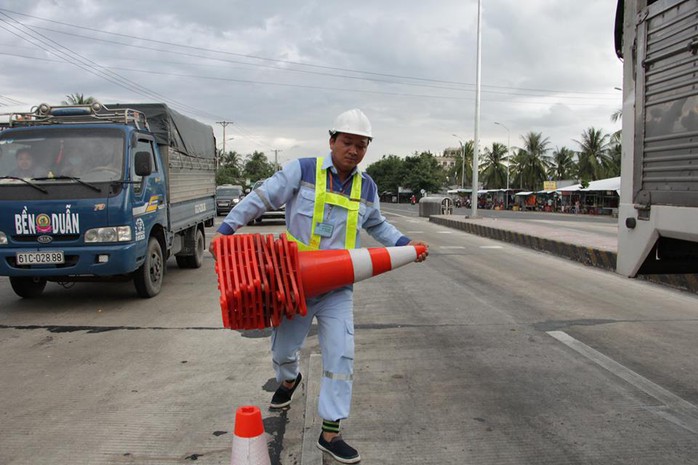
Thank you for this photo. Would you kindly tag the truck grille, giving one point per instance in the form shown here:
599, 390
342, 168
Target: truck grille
56, 239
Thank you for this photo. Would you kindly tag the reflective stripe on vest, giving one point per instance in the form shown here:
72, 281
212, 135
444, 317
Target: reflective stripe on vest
322, 197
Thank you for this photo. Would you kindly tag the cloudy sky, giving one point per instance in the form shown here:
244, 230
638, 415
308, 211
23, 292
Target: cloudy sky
281, 70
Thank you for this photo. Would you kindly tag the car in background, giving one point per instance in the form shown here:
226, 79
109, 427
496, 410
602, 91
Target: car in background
227, 196
278, 215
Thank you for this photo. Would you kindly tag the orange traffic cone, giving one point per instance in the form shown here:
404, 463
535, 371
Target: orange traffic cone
249, 443
261, 280
350, 266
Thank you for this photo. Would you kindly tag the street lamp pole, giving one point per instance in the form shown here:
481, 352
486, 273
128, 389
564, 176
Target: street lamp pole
478, 74
508, 154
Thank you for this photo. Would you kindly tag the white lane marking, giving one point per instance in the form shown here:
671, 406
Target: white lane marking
444, 232
451, 247
491, 247
675, 409
414, 232
386, 212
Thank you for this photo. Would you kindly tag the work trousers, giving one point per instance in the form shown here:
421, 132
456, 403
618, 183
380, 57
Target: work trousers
335, 321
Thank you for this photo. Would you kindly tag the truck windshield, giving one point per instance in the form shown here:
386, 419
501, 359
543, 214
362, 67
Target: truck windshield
92, 155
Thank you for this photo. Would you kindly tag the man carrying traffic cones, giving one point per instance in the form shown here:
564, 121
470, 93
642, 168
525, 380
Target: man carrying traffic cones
328, 201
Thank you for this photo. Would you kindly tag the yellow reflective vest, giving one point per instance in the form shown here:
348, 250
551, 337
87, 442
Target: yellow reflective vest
322, 198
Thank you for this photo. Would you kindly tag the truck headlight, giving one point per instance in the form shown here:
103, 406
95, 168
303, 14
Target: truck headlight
3, 238
113, 234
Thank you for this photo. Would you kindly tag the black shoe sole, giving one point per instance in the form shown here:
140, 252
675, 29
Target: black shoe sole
285, 404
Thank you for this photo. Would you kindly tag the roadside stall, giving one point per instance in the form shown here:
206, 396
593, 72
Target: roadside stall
525, 200
598, 198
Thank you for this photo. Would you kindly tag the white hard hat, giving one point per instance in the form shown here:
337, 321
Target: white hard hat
352, 122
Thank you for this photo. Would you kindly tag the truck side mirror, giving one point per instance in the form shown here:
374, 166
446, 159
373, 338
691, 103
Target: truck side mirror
142, 163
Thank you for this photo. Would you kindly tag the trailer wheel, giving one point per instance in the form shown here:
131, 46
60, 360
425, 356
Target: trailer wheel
196, 260
148, 278
28, 288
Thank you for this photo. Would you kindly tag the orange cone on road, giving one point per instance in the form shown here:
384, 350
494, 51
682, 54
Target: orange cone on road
249, 442
261, 280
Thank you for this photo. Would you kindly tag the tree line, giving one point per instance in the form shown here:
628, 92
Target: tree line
535, 161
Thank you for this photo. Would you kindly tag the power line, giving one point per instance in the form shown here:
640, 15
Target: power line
514, 90
7, 101
286, 62
340, 89
72, 57
557, 98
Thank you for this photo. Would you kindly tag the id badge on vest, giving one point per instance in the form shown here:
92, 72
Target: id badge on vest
324, 229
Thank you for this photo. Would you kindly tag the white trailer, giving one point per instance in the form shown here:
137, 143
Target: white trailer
658, 214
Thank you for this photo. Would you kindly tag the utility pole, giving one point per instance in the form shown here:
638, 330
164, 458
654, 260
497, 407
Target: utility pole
476, 152
225, 125
276, 159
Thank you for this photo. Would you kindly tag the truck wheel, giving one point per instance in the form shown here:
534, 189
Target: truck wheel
27, 287
148, 278
196, 260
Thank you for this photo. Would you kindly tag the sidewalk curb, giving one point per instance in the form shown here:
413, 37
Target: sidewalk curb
598, 258
588, 256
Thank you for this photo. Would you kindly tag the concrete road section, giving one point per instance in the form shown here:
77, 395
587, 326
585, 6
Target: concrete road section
487, 353
588, 239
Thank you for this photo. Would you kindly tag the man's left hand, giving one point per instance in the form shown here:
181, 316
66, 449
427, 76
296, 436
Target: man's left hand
423, 256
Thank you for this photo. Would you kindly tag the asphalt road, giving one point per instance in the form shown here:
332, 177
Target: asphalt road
485, 354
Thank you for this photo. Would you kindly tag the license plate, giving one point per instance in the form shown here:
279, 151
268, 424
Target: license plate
40, 258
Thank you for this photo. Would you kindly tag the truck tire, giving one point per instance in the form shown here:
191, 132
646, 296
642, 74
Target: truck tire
196, 260
28, 288
148, 278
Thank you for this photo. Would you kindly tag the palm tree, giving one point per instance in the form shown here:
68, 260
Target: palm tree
492, 169
562, 165
532, 161
469, 148
593, 156
231, 159
615, 117
516, 163
78, 99
612, 164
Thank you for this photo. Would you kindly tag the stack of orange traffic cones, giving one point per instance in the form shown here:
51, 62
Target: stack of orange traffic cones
249, 443
261, 280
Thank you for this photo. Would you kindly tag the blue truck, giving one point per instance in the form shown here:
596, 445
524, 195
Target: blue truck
103, 193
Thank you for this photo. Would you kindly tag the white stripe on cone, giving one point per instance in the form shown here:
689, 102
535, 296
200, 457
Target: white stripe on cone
361, 260
363, 266
400, 256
